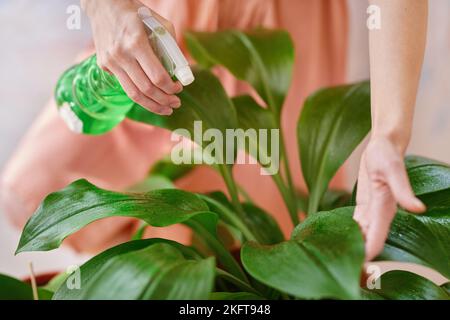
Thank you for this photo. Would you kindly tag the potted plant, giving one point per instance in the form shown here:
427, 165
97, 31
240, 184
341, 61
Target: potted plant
323, 259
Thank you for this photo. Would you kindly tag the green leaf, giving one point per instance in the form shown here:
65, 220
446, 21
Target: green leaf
56, 282
204, 100
234, 296
334, 199
171, 171
446, 287
140, 232
13, 289
263, 225
145, 269
65, 212
332, 124
154, 182
402, 285
256, 121
430, 181
250, 56
323, 259
89, 269
422, 239
252, 119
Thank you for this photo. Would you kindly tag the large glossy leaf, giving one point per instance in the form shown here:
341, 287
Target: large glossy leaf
332, 124
430, 181
250, 56
402, 285
323, 258
14, 289
145, 269
204, 100
65, 212
423, 239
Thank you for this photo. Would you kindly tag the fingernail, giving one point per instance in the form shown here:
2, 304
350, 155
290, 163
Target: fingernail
419, 204
165, 111
175, 104
179, 87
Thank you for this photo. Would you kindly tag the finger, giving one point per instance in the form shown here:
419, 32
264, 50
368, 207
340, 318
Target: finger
142, 82
155, 70
401, 189
362, 193
134, 93
381, 212
360, 216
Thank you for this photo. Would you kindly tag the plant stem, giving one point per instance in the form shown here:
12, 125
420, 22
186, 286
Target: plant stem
33, 282
289, 200
232, 218
237, 282
314, 200
223, 255
225, 171
287, 168
287, 192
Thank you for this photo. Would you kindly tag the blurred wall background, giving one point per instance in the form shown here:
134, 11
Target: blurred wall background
37, 47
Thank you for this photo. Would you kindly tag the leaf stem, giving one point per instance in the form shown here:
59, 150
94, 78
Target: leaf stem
314, 200
223, 255
33, 282
232, 218
237, 282
232, 188
289, 200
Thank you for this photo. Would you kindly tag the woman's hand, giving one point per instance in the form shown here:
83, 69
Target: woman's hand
123, 49
382, 184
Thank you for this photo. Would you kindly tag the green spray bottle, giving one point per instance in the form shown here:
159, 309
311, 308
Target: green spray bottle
92, 101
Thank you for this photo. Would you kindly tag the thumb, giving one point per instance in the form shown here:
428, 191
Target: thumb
401, 189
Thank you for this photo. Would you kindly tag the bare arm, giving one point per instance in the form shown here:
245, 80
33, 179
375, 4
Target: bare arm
396, 57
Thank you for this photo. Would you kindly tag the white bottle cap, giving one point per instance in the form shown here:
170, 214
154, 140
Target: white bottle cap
184, 75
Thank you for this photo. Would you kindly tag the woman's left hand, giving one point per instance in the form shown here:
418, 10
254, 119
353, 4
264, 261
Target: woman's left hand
382, 184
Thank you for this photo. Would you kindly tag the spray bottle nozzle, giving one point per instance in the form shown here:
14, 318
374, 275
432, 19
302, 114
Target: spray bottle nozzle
167, 48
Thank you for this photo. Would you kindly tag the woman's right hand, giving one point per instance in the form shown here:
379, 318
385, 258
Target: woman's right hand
123, 49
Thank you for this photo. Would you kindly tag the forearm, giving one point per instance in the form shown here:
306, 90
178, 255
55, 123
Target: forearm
396, 57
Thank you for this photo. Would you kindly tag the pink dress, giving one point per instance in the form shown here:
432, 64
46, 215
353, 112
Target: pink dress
50, 156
